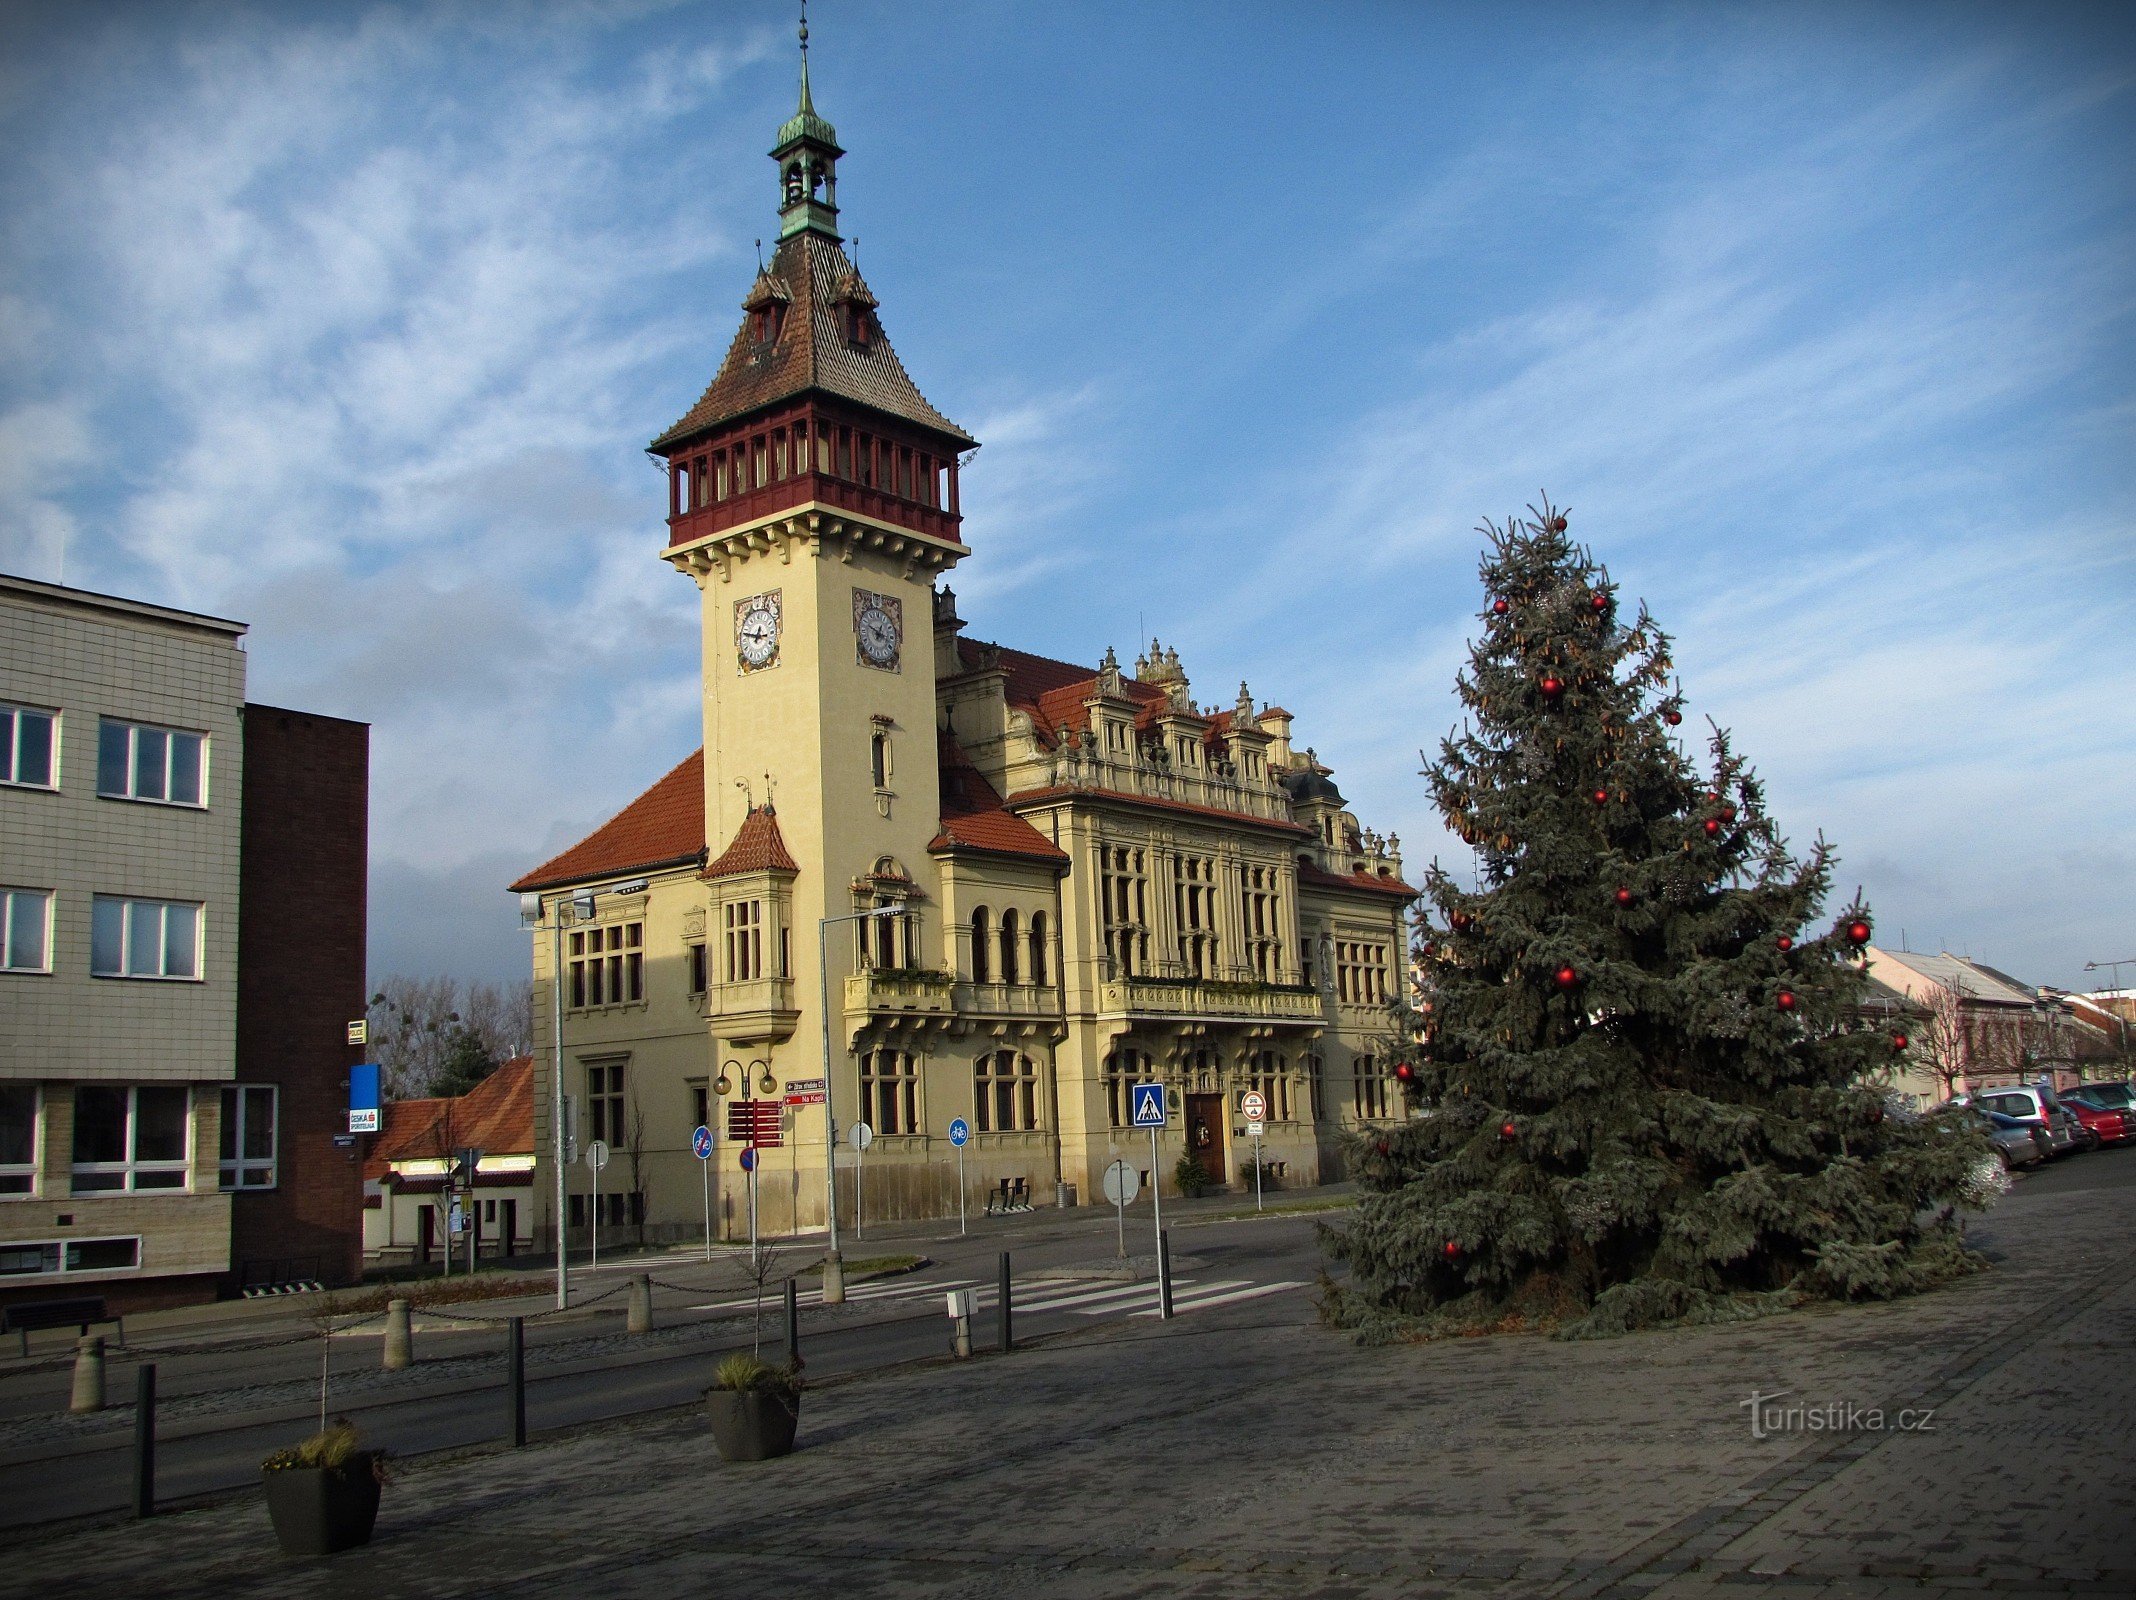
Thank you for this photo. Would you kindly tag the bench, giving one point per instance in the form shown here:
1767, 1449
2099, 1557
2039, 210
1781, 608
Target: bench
76, 1313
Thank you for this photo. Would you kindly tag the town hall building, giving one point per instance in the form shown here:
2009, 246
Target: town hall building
913, 877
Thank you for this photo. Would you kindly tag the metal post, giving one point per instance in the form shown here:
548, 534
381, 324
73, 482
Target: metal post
960, 1189
1164, 1285
833, 1263
752, 1215
515, 1375
1257, 1172
707, 1165
793, 1325
556, 1101
144, 1453
860, 1193
595, 1264
1164, 1273
1120, 1209
1007, 1324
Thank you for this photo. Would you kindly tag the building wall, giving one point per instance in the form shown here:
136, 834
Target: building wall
300, 981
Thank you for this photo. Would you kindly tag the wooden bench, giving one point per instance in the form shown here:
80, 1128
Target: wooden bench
76, 1313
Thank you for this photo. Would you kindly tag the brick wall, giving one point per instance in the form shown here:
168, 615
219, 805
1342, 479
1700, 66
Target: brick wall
300, 982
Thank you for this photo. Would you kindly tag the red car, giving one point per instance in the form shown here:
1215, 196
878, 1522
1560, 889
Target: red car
2102, 1124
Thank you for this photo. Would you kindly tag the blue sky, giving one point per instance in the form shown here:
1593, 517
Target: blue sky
353, 322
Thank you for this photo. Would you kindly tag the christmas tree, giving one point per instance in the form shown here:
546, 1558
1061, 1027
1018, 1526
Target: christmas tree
1647, 1090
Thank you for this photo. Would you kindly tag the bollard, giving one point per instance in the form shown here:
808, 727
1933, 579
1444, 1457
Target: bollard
1007, 1328
1164, 1272
88, 1374
640, 1317
793, 1326
144, 1456
400, 1336
515, 1375
960, 1323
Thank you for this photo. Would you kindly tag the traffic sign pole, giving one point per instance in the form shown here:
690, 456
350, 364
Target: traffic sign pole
701, 1147
1164, 1300
960, 1133
1257, 1170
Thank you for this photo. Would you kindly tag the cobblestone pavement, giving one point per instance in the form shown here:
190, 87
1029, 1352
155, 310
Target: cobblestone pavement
1253, 1454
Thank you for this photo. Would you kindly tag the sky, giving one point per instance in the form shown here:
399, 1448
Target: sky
353, 321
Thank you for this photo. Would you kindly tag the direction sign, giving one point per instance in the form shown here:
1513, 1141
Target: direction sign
1122, 1183
701, 1143
806, 1092
597, 1154
754, 1122
960, 1133
1254, 1106
749, 1160
1148, 1101
860, 1136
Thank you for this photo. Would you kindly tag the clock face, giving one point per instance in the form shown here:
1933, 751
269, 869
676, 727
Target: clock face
756, 631
878, 627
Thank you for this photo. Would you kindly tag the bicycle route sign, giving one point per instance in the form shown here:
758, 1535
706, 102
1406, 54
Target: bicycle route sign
960, 1133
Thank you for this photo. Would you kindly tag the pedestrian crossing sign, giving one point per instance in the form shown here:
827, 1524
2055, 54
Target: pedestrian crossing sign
1148, 1103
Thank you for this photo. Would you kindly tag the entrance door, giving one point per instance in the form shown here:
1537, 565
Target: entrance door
508, 1233
1205, 1134
426, 1221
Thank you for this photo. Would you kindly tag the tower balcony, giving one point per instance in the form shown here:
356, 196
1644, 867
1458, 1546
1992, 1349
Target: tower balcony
1196, 999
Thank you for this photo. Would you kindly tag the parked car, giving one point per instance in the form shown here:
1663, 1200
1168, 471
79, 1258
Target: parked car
2020, 1144
2109, 1124
2037, 1104
2110, 1096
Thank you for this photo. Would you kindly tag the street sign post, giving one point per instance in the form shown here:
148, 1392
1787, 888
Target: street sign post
749, 1165
1255, 1105
1147, 1102
701, 1147
1122, 1184
860, 1136
960, 1135
596, 1159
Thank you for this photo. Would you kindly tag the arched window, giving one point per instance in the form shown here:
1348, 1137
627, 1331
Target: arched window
1010, 942
890, 1091
982, 947
1123, 1069
1004, 1092
1041, 957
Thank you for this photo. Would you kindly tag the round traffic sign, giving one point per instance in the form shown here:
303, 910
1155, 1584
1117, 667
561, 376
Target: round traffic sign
701, 1143
597, 1154
860, 1136
1122, 1183
749, 1159
1254, 1106
960, 1133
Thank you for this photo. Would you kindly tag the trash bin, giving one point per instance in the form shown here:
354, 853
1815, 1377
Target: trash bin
1064, 1196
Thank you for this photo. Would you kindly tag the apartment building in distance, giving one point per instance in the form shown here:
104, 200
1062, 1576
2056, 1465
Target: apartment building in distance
182, 895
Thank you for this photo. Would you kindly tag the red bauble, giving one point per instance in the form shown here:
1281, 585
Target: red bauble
1506, 1131
1381, 1147
1404, 1072
1728, 813
1624, 897
1600, 601
1460, 921
1500, 607
1784, 942
1601, 797
1858, 932
1552, 688
1566, 977
1876, 1115
1899, 1041
1557, 524
1786, 1000
1673, 718
1713, 826
1452, 1249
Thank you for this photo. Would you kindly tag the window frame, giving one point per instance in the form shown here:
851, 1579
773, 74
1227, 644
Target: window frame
131, 775
61, 1252
10, 895
11, 729
1005, 1079
890, 1090
604, 965
128, 905
607, 1099
235, 1172
132, 1168
25, 1172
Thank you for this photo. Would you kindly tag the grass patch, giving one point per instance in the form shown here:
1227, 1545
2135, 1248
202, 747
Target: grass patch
872, 1265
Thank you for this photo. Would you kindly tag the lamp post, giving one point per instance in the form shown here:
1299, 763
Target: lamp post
833, 1264
581, 908
2120, 998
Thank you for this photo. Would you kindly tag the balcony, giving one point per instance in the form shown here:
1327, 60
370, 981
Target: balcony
899, 998
1194, 999
1017, 1000
756, 1011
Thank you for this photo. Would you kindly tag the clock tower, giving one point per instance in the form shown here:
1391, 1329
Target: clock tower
812, 497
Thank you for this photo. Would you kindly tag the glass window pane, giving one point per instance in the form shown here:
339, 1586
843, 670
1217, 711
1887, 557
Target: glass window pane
173, 1178
151, 753
185, 768
25, 931
159, 1124
112, 754
144, 936
33, 748
99, 1125
181, 942
18, 1124
103, 1255
25, 1260
228, 1150
259, 1124
107, 936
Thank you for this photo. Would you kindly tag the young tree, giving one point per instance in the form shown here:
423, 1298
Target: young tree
1648, 1091
1941, 1039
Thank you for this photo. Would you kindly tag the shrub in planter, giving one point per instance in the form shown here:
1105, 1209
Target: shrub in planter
323, 1494
1192, 1178
753, 1407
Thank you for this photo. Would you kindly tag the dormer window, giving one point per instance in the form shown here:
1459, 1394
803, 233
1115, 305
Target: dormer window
764, 324
859, 326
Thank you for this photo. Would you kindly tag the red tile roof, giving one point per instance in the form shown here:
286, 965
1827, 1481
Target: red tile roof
496, 1116
758, 847
663, 827
973, 817
1314, 878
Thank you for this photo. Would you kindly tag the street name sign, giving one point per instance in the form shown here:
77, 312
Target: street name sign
806, 1092
1148, 1102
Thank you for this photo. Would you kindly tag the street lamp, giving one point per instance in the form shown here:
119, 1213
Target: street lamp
833, 1264
581, 908
2120, 997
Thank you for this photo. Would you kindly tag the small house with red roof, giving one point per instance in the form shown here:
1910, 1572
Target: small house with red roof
409, 1182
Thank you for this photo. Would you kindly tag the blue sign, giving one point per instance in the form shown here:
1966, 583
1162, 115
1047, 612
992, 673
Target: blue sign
1148, 1101
363, 1098
749, 1159
960, 1133
701, 1143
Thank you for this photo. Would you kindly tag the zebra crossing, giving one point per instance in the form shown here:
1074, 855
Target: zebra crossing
1075, 1297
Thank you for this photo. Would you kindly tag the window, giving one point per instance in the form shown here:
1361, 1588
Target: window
18, 1138
604, 1095
1360, 973
143, 938
53, 1256
1310, 1067
896, 939
27, 747
982, 947
138, 762
697, 967
1124, 1068
1264, 1071
1258, 920
700, 1105
744, 921
1124, 896
248, 1127
1005, 1097
607, 965
890, 1091
1372, 1094
25, 930
879, 757
1011, 940
1194, 909
130, 1139
1041, 957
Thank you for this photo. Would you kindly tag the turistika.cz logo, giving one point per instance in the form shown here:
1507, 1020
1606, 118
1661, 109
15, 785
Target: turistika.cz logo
1768, 1417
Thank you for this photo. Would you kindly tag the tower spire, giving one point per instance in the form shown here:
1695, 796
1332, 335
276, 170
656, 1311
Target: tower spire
807, 153
808, 105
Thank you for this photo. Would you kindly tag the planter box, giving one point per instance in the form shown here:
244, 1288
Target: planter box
752, 1425
319, 1510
